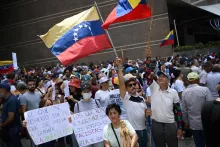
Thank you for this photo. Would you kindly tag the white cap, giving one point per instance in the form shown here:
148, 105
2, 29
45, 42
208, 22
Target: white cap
60, 75
128, 77
168, 63
103, 80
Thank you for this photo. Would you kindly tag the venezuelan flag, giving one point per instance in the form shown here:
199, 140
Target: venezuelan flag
77, 36
169, 39
5, 62
127, 10
6, 67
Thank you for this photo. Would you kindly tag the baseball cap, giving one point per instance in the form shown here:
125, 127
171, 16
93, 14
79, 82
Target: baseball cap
103, 80
160, 73
128, 77
85, 86
129, 69
5, 86
75, 83
192, 76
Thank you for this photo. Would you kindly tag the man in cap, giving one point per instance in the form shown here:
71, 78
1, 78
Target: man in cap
134, 104
163, 101
193, 97
11, 125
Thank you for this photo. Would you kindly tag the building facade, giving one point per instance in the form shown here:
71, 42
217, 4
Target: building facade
23, 20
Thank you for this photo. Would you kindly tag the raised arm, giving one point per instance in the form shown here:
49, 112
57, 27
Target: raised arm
121, 78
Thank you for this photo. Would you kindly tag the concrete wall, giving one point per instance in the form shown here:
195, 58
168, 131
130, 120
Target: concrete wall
25, 19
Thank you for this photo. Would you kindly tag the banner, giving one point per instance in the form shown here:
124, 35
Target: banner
48, 123
15, 63
89, 125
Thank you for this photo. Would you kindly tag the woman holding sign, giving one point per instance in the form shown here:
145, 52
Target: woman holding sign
119, 133
44, 103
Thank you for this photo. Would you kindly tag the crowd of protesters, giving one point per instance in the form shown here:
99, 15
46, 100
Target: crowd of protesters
168, 99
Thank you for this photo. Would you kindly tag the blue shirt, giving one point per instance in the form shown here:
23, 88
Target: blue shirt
11, 104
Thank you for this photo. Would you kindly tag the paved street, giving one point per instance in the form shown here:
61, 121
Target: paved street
183, 143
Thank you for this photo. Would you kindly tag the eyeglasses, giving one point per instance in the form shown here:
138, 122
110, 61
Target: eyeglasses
132, 84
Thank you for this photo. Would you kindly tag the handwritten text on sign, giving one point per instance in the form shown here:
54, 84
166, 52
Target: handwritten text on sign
88, 126
48, 123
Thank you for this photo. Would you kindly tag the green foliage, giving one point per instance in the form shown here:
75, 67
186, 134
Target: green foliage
197, 46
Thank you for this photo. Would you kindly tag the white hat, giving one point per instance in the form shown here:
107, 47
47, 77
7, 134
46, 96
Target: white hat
168, 63
103, 80
60, 75
128, 77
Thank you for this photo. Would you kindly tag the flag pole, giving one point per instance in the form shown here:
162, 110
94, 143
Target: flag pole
177, 38
148, 50
109, 37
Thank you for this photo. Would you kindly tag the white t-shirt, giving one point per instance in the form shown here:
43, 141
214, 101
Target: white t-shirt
135, 112
12, 88
110, 136
102, 96
203, 77
114, 97
66, 88
148, 93
162, 103
195, 69
178, 86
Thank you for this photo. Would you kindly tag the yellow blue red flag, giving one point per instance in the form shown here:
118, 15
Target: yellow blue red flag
6, 67
168, 40
77, 36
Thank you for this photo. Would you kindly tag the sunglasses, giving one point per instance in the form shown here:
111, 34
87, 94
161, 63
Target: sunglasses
133, 84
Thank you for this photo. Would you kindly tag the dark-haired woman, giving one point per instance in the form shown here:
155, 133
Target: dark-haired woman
119, 133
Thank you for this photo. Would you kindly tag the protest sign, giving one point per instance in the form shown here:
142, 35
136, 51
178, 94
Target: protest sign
15, 63
88, 126
48, 123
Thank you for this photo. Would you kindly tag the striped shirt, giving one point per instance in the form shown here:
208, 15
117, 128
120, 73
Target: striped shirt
193, 98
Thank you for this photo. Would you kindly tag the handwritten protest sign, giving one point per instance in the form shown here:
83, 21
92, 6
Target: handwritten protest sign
89, 125
48, 123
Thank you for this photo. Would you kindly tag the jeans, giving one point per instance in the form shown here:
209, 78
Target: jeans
149, 131
75, 143
142, 137
14, 137
199, 138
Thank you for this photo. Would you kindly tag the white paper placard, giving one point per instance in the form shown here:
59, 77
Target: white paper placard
15, 63
48, 123
89, 126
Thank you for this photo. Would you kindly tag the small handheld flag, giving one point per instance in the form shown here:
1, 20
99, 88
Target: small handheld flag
168, 40
76, 37
127, 10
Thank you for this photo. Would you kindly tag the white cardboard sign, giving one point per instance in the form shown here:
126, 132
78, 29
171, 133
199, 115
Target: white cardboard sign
89, 126
48, 123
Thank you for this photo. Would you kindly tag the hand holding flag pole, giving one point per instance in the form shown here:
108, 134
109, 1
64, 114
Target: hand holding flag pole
109, 37
148, 50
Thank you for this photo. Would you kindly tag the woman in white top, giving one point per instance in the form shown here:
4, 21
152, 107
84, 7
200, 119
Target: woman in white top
103, 93
177, 82
40, 87
119, 133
